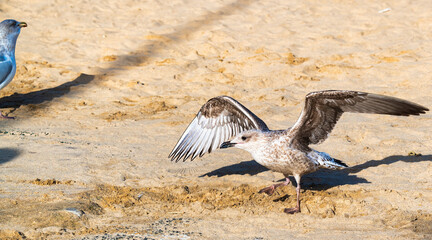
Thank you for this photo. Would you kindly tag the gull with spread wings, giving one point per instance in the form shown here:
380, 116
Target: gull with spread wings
286, 151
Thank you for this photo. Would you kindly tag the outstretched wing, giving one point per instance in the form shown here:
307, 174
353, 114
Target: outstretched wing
323, 109
218, 120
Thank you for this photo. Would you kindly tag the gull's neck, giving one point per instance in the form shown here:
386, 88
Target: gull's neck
7, 45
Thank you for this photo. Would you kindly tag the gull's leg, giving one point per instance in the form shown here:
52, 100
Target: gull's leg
270, 190
295, 209
5, 117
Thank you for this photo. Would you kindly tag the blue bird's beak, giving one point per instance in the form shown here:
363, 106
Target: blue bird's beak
22, 24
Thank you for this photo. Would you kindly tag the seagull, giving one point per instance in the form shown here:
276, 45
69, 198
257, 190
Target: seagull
286, 151
9, 31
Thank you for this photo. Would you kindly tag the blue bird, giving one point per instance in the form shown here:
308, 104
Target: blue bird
9, 31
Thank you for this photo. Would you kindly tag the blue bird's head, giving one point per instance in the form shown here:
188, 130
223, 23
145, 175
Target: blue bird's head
9, 31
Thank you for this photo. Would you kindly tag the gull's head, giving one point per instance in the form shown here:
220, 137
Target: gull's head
9, 31
249, 140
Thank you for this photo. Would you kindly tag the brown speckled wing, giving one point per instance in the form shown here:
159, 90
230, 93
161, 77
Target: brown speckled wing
218, 120
323, 109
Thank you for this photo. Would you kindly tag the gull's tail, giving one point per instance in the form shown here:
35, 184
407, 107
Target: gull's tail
325, 161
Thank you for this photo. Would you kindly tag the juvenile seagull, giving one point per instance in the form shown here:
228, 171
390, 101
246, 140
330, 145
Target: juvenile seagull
9, 31
285, 151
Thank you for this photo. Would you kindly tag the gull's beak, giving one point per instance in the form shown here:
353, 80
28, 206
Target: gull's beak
227, 144
22, 24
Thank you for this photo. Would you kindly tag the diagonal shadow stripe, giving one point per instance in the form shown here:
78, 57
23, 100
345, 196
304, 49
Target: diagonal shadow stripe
143, 53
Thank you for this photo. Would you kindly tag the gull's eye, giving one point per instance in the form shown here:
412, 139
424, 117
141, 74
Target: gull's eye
243, 138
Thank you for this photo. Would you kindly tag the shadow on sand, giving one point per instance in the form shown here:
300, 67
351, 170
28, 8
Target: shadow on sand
123, 62
321, 179
8, 154
37, 97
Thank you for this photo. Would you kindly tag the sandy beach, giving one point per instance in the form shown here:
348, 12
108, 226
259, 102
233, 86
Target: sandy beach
104, 90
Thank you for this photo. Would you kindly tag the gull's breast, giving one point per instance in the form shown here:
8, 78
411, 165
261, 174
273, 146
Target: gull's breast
283, 159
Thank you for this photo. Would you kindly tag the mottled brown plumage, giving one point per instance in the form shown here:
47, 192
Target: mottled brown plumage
286, 151
323, 109
218, 120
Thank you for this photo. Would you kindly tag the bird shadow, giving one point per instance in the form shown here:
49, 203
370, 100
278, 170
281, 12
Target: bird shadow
8, 154
123, 62
246, 167
322, 179
37, 97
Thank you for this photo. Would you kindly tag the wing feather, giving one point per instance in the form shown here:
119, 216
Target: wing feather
218, 120
323, 109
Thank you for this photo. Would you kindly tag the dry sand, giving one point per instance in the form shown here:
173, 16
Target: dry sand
105, 88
